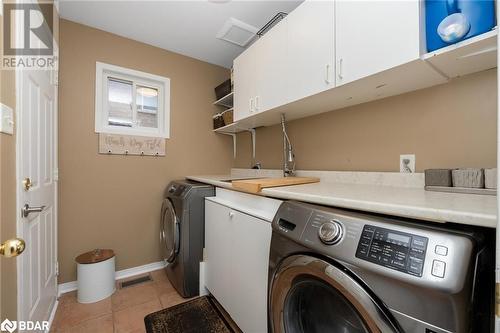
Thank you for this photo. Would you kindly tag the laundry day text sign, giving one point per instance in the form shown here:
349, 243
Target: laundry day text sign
112, 144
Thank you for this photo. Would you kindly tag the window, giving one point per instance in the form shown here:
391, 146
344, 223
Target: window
131, 102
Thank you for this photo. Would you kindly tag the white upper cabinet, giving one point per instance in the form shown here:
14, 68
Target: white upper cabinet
244, 77
301, 67
260, 74
271, 71
311, 55
373, 36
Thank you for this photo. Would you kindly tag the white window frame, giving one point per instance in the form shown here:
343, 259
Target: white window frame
103, 71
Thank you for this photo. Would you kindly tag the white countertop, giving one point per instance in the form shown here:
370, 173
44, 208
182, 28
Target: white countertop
403, 201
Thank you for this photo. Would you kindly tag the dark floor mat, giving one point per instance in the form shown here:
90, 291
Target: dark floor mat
199, 315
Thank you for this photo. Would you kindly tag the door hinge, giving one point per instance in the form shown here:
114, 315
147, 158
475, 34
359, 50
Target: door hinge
56, 175
55, 78
57, 268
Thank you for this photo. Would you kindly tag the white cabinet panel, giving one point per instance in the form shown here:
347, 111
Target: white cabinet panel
237, 258
271, 69
252, 238
218, 258
244, 68
372, 36
310, 43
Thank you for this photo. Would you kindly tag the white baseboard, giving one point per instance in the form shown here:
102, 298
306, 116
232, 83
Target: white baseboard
126, 273
123, 274
64, 288
52, 315
203, 277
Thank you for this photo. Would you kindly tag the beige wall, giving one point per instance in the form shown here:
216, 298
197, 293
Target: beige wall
451, 125
8, 276
114, 201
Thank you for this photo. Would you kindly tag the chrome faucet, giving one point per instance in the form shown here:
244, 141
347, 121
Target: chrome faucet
288, 155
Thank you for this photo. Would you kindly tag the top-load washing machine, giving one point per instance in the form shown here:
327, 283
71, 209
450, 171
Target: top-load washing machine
182, 233
335, 270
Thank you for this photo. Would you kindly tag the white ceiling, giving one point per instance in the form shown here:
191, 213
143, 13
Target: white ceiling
185, 27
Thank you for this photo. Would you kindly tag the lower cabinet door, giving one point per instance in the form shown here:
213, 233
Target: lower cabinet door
250, 260
237, 256
218, 244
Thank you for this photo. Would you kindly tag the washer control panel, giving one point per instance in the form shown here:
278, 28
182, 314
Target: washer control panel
393, 249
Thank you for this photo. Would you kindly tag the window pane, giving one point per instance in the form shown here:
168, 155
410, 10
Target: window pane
120, 102
147, 107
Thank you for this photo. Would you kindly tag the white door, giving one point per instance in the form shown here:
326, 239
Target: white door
37, 125
244, 84
271, 68
311, 42
372, 36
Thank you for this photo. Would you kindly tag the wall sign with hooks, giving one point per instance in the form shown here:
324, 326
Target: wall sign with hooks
113, 144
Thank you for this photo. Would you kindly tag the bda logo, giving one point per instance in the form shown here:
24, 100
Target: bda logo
8, 325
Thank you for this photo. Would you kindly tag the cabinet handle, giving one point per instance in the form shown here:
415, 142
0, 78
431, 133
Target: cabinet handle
256, 103
251, 105
327, 80
341, 75
231, 215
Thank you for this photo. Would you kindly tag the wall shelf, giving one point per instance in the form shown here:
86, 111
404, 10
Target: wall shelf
231, 128
226, 101
472, 55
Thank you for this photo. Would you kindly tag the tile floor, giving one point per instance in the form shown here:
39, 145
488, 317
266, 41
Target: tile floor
123, 312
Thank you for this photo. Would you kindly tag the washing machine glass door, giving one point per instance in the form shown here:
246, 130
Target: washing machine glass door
169, 231
310, 295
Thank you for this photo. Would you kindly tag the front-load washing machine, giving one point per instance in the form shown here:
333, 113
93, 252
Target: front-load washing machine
335, 270
182, 233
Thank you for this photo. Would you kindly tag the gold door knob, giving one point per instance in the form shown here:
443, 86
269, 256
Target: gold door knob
12, 247
27, 183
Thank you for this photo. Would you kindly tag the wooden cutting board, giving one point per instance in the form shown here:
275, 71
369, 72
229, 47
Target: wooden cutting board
256, 185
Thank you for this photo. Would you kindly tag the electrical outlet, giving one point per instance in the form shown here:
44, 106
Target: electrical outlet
6, 119
407, 163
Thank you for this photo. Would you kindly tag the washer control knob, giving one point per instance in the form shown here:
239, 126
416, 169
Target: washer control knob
330, 232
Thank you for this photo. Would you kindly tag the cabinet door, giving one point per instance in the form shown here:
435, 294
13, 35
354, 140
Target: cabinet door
372, 36
252, 240
311, 58
271, 68
218, 238
244, 83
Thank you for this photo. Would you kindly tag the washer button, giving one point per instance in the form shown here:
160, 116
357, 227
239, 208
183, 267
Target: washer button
416, 266
419, 243
441, 250
438, 268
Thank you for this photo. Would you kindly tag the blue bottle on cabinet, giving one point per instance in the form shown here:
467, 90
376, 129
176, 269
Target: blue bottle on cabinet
450, 21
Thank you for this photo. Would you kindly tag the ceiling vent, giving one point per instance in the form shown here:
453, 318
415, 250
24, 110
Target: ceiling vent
237, 32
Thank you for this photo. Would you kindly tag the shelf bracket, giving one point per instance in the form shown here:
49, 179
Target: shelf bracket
233, 135
252, 131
